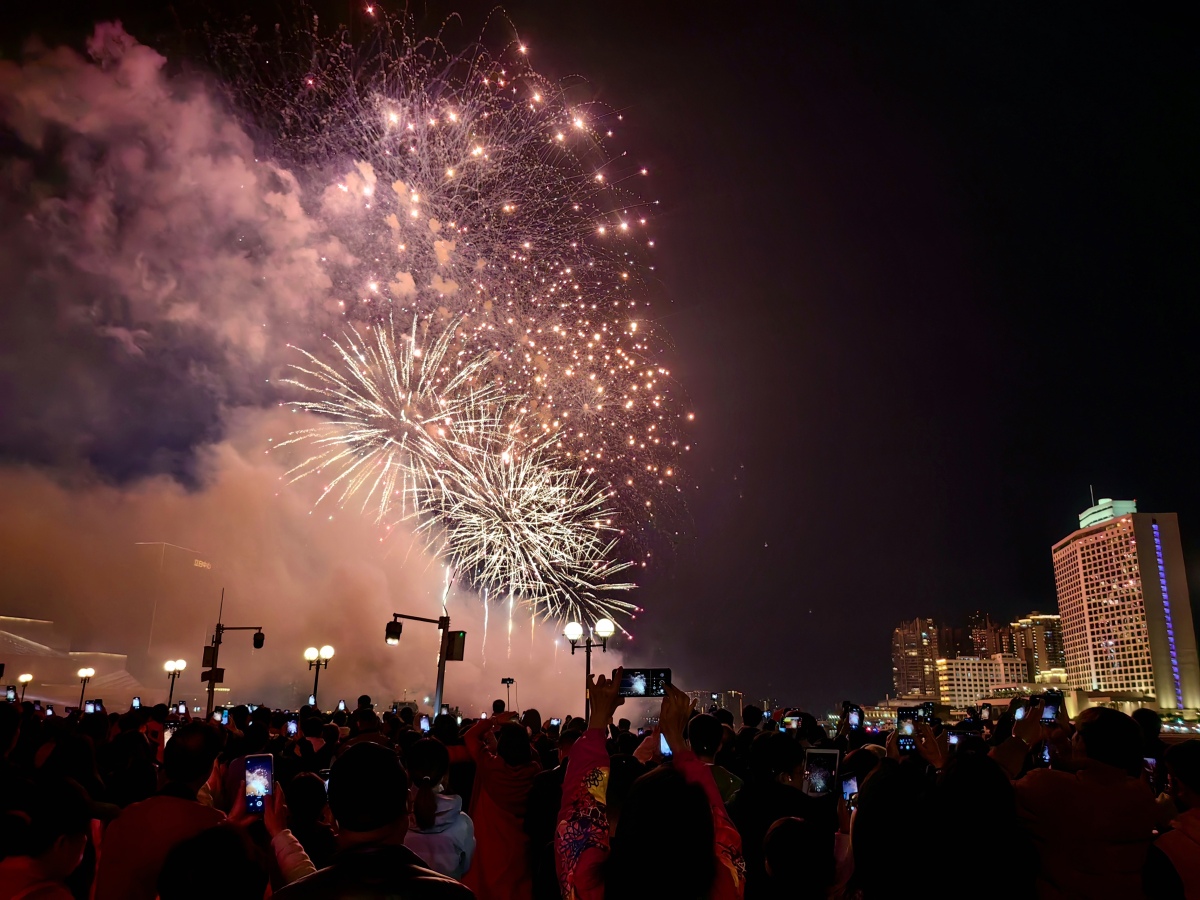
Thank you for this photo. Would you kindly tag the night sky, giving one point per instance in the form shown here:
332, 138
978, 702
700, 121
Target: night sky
929, 273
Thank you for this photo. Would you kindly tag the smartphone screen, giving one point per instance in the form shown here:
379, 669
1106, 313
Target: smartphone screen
224, 717
663, 747
791, 723
49, 709
137, 703
1150, 764
182, 708
951, 738
259, 781
89, 707
425, 723
644, 682
854, 718
849, 786
291, 726
341, 706
312, 699
985, 712
11, 693
1020, 713
1053, 700
556, 721
820, 766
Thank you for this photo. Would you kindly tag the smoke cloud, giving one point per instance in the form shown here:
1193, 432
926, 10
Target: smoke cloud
155, 272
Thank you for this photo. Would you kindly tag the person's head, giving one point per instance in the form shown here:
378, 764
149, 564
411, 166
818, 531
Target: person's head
497, 707
799, 854
532, 720
240, 717
512, 744
1107, 736
10, 727
364, 720
704, 736
160, 713
428, 765
566, 741
330, 733
724, 716
224, 848
306, 799
74, 757
310, 726
445, 729
1149, 722
189, 755
46, 819
775, 757
623, 725
662, 818
1183, 765
364, 701
368, 794
752, 716
406, 715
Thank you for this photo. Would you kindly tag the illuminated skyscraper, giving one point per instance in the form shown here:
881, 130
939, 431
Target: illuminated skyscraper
914, 659
1123, 598
1037, 639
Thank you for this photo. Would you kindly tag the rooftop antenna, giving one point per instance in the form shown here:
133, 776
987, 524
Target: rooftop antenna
1092, 491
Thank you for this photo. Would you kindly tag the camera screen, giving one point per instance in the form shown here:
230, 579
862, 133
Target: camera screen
849, 786
291, 726
11, 692
182, 708
425, 723
663, 747
820, 766
951, 738
258, 781
855, 718
905, 726
645, 682
89, 707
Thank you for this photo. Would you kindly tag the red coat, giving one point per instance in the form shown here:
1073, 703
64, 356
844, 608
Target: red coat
500, 868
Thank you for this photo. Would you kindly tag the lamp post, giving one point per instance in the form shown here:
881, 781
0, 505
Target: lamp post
603, 629
450, 643
318, 659
173, 668
85, 675
24, 679
508, 683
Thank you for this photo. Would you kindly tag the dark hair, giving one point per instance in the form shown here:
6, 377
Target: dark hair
368, 788
800, 856
497, 707
39, 811
512, 744
406, 715
752, 716
330, 733
532, 719
1183, 761
567, 740
445, 729
1149, 721
1111, 737
773, 753
310, 726
305, 799
243, 870
704, 734
364, 701
623, 724
724, 716
364, 720
189, 755
10, 726
428, 762
663, 818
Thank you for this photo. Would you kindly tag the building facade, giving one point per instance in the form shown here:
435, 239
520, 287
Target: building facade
914, 659
965, 680
1037, 639
1123, 599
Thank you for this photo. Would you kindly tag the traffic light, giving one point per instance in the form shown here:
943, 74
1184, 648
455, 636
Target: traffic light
259, 637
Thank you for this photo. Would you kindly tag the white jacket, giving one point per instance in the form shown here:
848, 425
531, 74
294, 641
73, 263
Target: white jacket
448, 846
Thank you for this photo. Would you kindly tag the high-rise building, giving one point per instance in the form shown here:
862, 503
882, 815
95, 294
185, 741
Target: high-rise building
914, 659
965, 680
987, 637
1037, 639
1126, 615
954, 641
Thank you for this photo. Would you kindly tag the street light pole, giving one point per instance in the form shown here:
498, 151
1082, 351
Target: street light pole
85, 675
173, 668
24, 679
603, 629
318, 659
508, 683
391, 636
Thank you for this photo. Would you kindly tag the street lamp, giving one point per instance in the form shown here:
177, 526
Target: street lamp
603, 629
318, 659
85, 675
508, 683
24, 679
173, 668
450, 646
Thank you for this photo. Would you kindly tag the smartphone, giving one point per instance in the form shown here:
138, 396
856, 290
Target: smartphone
291, 726
89, 707
790, 723
425, 724
820, 767
341, 706
1053, 701
182, 708
312, 699
663, 747
557, 722
259, 781
445, 710
952, 738
644, 682
925, 712
985, 712
99, 704
849, 787
1149, 766
224, 717
49, 709
10, 693
137, 703
854, 717
1019, 714
906, 718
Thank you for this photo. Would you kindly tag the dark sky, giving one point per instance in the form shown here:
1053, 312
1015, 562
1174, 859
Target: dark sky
929, 272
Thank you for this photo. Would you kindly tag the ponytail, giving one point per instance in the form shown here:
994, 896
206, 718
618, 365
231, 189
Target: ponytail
425, 804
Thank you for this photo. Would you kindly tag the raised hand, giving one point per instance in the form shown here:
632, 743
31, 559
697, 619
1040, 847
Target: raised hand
673, 717
606, 696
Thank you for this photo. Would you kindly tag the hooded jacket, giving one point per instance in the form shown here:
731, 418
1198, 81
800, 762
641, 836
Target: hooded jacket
448, 846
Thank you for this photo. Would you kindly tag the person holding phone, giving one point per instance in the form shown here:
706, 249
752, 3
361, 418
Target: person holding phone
668, 815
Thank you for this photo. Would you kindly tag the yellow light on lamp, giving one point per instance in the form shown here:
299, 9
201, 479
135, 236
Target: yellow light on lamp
87, 673
24, 679
327, 652
311, 653
605, 628
573, 631
180, 665
169, 665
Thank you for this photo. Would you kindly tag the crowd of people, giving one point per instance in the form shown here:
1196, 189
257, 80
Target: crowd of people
146, 804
